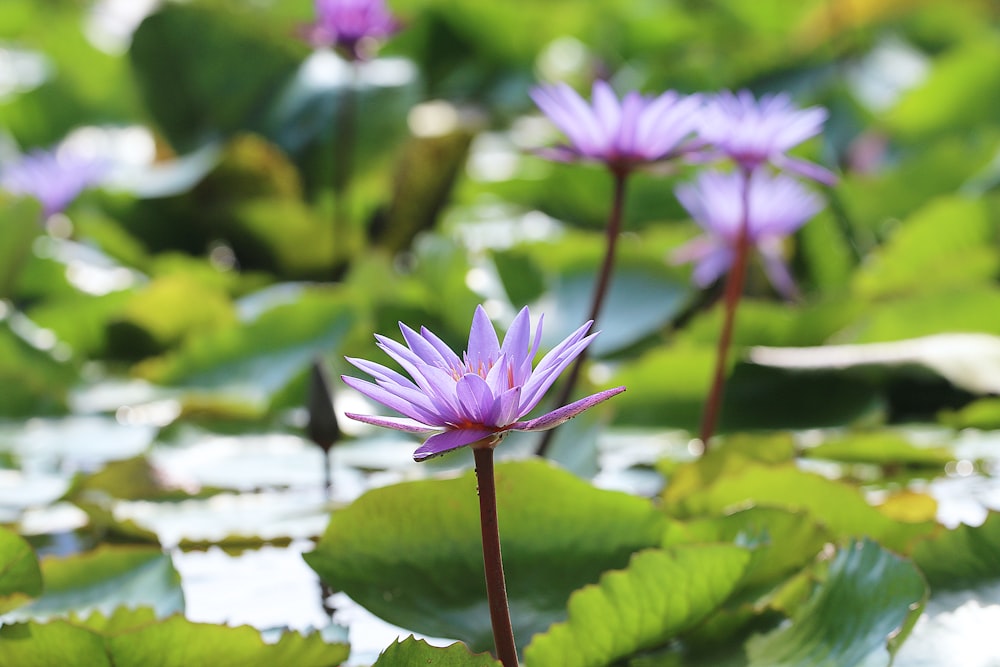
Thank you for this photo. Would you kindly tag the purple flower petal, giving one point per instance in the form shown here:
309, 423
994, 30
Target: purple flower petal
395, 423
442, 443
565, 413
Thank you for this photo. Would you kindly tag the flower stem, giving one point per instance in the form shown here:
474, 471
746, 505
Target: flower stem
613, 230
496, 589
731, 299
345, 131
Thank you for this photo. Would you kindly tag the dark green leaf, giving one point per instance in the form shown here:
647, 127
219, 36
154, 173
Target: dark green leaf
962, 556
193, 103
859, 615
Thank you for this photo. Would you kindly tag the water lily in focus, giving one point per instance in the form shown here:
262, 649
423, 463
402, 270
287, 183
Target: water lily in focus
753, 132
475, 398
776, 205
353, 27
624, 133
54, 177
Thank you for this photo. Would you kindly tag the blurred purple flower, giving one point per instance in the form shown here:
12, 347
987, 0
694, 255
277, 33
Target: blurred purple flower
777, 206
478, 397
753, 132
352, 25
622, 134
55, 178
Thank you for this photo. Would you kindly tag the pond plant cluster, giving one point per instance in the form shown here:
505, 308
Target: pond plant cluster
698, 333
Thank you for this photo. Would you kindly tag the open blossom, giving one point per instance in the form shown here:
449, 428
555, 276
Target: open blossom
348, 24
753, 132
475, 398
777, 205
622, 134
54, 178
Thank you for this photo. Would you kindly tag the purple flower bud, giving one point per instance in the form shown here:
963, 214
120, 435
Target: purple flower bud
622, 134
477, 397
777, 205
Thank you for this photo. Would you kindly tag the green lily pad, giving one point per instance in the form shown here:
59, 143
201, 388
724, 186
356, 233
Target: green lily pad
880, 447
961, 557
413, 651
860, 615
411, 553
659, 594
104, 579
133, 638
255, 360
20, 576
836, 505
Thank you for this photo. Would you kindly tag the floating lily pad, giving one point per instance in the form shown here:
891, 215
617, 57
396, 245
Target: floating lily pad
411, 552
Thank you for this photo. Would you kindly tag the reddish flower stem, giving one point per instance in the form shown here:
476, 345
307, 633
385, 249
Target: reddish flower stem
496, 588
614, 228
731, 298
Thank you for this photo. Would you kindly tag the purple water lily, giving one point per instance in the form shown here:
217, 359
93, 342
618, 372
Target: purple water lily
777, 205
54, 178
352, 25
475, 398
754, 132
622, 134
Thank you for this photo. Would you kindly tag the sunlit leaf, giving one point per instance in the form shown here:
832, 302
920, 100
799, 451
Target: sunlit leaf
412, 651
255, 360
945, 244
833, 504
133, 639
881, 447
962, 90
659, 594
844, 624
20, 577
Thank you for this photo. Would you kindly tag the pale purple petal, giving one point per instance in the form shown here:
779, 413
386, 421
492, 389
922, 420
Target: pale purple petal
390, 400
478, 404
451, 359
809, 170
442, 443
565, 413
540, 381
623, 134
517, 341
395, 423
753, 132
484, 346
608, 112
380, 372
422, 347
776, 269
